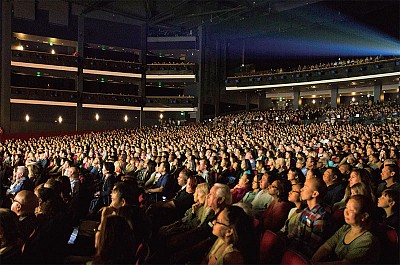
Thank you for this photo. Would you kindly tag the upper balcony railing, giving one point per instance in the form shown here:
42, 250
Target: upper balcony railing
374, 69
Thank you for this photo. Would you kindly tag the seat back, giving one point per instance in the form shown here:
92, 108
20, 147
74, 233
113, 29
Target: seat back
389, 243
291, 257
338, 217
271, 248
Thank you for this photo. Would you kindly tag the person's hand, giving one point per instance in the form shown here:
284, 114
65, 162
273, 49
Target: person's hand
107, 211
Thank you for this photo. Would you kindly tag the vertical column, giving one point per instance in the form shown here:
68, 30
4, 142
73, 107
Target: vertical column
296, 98
262, 102
378, 95
143, 60
79, 77
218, 76
200, 81
5, 90
335, 99
247, 101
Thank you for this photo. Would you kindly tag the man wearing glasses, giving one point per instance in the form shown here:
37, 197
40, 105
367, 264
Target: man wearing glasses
24, 205
22, 181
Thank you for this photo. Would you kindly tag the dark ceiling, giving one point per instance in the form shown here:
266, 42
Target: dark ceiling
185, 15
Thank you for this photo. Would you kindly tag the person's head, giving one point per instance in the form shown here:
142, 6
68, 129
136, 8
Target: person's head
255, 184
219, 197
8, 228
310, 162
358, 211
54, 184
345, 169
200, 195
50, 203
279, 189
313, 173
359, 188
182, 178
359, 175
295, 175
21, 172
294, 194
389, 199
122, 194
390, 171
266, 180
108, 168
235, 227
192, 183
245, 180
332, 176
24, 203
72, 173
314, 189
203, 165
164, 168
115, 242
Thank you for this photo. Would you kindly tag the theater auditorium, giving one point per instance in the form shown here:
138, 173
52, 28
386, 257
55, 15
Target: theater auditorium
199, 132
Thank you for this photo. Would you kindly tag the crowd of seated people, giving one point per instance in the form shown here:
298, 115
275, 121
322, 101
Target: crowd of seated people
205, 193
321, 66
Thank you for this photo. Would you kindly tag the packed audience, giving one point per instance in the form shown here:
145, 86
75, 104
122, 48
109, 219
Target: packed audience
206, 193
319, 66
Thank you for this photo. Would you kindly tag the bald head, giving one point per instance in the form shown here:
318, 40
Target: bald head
24, 203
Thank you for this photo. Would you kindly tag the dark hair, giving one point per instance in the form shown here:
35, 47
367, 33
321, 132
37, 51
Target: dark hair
316, 172
8, 227
336, 172
126, 190
299, 176
117, 243
151, 166
394, 168
284, 186
244, 235
166, 166
51, 204
109, 166
247, 164
320, 186
366, 206
393, 196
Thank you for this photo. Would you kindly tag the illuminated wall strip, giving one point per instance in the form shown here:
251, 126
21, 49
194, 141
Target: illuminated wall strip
110, 73
98, 106
170, 76
315, 82
45, 66
168, 109
42, 102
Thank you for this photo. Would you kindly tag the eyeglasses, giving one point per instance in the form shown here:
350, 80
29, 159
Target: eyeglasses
220, 223
14, 200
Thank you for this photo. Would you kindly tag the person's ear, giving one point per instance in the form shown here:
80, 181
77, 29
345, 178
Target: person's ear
315, 194
365, 216
123, 202
229, 232
392, 203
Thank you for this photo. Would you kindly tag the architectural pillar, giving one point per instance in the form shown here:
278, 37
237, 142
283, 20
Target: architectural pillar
143, 60
247, 101
262, 102
5, 77
201, 72
335, 99
79, 77
378, 95
296, 98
